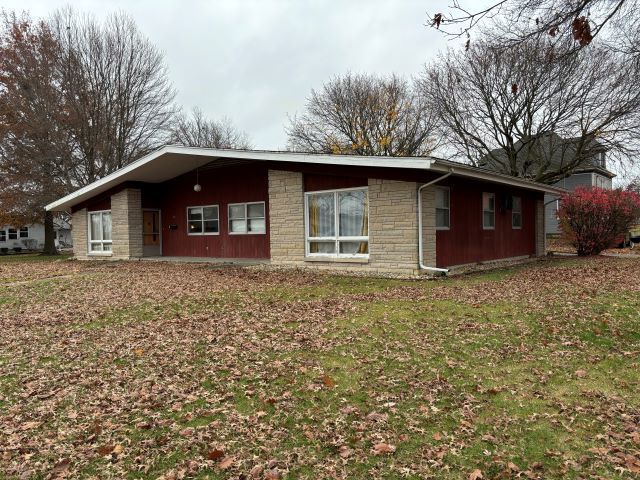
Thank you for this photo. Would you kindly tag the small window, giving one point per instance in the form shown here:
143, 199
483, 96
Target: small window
24, 232
13, 234
516, 213
3, 236
247, 218
442, 208
203, 220
100, 232
488, 211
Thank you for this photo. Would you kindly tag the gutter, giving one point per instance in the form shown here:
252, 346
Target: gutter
420, 232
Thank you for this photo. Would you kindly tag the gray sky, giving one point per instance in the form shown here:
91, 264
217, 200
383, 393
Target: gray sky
255, 61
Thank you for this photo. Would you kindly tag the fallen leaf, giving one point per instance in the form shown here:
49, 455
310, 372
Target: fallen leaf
215, 454
328, 381
226, 463
581, 373
381, 448
437, 436
476, 474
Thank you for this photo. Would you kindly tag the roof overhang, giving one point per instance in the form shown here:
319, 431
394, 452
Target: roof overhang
172, 161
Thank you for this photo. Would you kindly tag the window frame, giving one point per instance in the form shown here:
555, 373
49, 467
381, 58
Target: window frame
336, 238
12, 233
91, 241
203, 233
246, 217
21, 230
493, 212
516, 212
448, 209
3, 236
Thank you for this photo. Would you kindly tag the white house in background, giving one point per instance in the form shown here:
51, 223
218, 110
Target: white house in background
31, 237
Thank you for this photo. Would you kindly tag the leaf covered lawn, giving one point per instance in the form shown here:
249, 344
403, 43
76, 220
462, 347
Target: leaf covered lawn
154, 370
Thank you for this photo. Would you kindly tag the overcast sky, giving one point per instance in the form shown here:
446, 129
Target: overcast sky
255, 61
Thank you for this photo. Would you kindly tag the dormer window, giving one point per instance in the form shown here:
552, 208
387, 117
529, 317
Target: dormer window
603, 162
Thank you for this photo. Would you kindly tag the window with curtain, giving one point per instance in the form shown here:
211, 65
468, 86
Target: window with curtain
488, 211
442, 208
338, 223
100, 232
247, 218
516, 213
203, 220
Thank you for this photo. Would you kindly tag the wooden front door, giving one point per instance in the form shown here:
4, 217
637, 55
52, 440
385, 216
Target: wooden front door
151, 240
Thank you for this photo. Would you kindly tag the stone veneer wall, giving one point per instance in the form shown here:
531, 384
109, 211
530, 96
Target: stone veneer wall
393, 226
429, 226
126, 218
79, 233
286, 217
541, 238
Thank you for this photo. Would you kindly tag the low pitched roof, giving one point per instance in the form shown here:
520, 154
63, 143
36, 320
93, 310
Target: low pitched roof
171, 161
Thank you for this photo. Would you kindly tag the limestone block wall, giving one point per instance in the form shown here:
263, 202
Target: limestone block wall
80, 234
286, 217
429, 226
126, 218
393, 226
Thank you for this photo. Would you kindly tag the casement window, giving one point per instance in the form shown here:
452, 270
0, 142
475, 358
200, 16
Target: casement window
337, 223
100, 232
24, 232
3, 236
516, 213
13, 234
443, 217
488, 211
203, 220
247, 218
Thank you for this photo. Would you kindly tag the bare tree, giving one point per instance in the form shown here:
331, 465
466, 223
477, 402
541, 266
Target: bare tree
117, 89
580, 20
78, 100
365, 115
531, 111
198, 131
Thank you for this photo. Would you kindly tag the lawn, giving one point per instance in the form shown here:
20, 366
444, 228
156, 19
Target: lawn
150, 370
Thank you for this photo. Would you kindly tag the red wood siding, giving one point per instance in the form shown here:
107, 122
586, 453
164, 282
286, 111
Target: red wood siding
315, 182
467, 242
219, 187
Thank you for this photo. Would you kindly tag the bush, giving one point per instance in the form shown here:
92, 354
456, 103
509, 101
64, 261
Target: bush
594, 218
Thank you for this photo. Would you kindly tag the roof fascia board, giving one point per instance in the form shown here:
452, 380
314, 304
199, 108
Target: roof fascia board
465, 171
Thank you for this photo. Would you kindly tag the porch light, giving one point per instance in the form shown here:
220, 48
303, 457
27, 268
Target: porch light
197, 187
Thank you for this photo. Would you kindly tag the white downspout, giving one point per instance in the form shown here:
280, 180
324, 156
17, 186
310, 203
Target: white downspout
420, 233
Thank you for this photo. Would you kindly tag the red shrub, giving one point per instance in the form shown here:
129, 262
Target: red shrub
593, 218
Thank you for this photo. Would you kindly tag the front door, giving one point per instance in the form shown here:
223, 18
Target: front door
151, 241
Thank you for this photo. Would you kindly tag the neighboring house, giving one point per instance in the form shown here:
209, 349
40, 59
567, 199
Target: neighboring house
552, 151
313, 210
595, 175
31, 237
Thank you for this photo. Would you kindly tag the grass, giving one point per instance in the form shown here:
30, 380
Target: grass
529, 371
33, 257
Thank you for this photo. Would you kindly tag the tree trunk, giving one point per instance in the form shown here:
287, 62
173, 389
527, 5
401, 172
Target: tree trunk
49, 234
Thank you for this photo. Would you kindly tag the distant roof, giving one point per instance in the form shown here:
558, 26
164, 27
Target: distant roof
556, 150
171, 161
